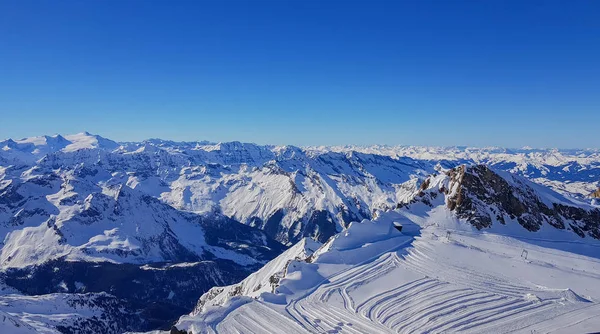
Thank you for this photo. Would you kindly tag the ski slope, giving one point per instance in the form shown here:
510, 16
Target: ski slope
367, 280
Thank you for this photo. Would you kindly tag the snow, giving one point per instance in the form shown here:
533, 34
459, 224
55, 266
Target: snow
42, 314
13, 325
106, 223
261, 281
252, 183
83, 197
372, 278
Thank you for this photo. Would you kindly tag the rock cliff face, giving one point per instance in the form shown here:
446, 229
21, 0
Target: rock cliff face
484, 197
596, 194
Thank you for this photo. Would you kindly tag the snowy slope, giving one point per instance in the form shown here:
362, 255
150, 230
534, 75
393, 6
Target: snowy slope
12, 324
65, 313
262, 281
373, 279
480, 251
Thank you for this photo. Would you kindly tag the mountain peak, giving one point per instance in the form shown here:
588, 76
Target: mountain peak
485, 198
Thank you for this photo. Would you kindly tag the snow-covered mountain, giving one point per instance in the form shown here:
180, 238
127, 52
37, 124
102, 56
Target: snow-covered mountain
265, 279
486, 198
66, 313
478, 251
155, 224
79, 228
286, 191
568, 171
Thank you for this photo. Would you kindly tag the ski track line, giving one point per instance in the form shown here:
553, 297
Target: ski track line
440, 315
370, 305
307, 312
331, 316
417, 261
419, 256
487, 313
261, 320
359, 270
293, 312
509, 315
383, 269
420, 294
346, 276
448, 298
567, 320
353, 286
382, 295
398, 316
335, 316
368, 325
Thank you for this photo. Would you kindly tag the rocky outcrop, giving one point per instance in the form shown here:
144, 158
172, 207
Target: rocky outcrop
484, 197
596, 194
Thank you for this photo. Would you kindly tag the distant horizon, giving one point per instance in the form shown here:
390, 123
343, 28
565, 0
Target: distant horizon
211, 142
430, 73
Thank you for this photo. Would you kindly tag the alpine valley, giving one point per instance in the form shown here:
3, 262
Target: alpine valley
99, 236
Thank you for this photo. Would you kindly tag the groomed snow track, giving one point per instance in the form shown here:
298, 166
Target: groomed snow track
419, 289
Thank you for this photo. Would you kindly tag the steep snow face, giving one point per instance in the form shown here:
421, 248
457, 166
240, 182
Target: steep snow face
373, 278
485, 198
262, 281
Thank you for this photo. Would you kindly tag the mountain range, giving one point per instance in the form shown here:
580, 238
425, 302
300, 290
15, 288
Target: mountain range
129, 236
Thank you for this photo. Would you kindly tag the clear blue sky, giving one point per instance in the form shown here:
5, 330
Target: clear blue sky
506, 73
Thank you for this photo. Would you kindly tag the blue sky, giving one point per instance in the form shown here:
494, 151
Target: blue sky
505, 73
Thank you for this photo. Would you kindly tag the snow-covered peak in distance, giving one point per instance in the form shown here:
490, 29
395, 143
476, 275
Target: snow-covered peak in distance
41, 145
288, 191
570, 171
546, 156
87, 140
30, 149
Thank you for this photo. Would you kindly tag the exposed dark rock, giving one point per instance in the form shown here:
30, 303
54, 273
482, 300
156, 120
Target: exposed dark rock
174, 330
482, 196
